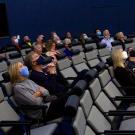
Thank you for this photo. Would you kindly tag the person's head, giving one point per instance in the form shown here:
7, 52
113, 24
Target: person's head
106, 33
68, 35
18, 72
40, 39
35, 61
26, 39
85, 36
132, 53
120, 36
67, 41
14, 40
129, 49
98, 32
119, 56
38, 49
51, 46
54, 34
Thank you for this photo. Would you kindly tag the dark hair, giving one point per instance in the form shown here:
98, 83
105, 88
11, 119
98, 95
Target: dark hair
132, 53
49, 44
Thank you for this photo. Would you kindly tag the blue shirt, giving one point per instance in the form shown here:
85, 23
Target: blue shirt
108, 42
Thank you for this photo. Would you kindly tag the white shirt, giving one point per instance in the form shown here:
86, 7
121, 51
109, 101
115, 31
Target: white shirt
108, 42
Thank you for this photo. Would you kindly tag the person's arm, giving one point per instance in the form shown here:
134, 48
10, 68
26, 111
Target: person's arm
26, 97
44, 91
127, 75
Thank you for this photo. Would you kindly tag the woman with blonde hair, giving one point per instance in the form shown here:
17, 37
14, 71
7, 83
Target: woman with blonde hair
27, 92
123, 75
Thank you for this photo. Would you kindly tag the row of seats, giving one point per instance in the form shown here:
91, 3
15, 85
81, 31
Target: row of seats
104, 108
99, 97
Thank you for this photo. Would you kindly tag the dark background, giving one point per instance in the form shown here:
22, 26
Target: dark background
3, 21
33, 17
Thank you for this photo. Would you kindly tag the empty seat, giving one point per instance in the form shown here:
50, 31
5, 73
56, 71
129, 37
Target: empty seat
3, 66
79, 47
92, 58
79, 63
25, 51
108, 85
68, 73
132, 45
104, 54
15, 57
79, 124
101, 100
93, 45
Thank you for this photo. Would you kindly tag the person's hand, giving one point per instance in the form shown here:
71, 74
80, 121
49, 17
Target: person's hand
51, 70
38, 94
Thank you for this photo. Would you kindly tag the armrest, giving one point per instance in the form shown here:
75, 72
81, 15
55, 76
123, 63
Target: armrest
17, 123
71, 105
14, 123
32, 107
35, 107
128, 88
70, 78
120, 113
119, 98
119, 132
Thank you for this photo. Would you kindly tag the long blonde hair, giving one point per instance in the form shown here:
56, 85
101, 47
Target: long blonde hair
14, 73
117, 58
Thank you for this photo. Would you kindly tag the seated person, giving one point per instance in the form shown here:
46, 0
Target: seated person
68, 39
121, 38
47, 78
27, 41
52, 51
27, 92
131, 60
41, 40
56, 38
39, 50
122, 73
97, 36
107, 40
15, 43
68, 50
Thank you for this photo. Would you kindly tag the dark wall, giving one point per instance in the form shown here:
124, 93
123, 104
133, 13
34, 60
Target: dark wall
33, 17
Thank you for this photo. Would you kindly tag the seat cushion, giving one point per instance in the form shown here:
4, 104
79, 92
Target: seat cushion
80, 67
128, 124
94, 62
7, 113
47, 130
98, 121
89, 131
68, 72
79, 123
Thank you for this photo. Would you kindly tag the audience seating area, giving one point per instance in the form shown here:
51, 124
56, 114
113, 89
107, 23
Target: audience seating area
100, 108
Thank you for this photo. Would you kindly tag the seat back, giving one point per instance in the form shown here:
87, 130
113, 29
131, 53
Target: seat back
79, 63
64, 63
100, 98
97, 120
79, 47
108, 85
64, 66
86, 103
90, 55
79, 124
93, 45
3, 66
104, 52
7, 114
